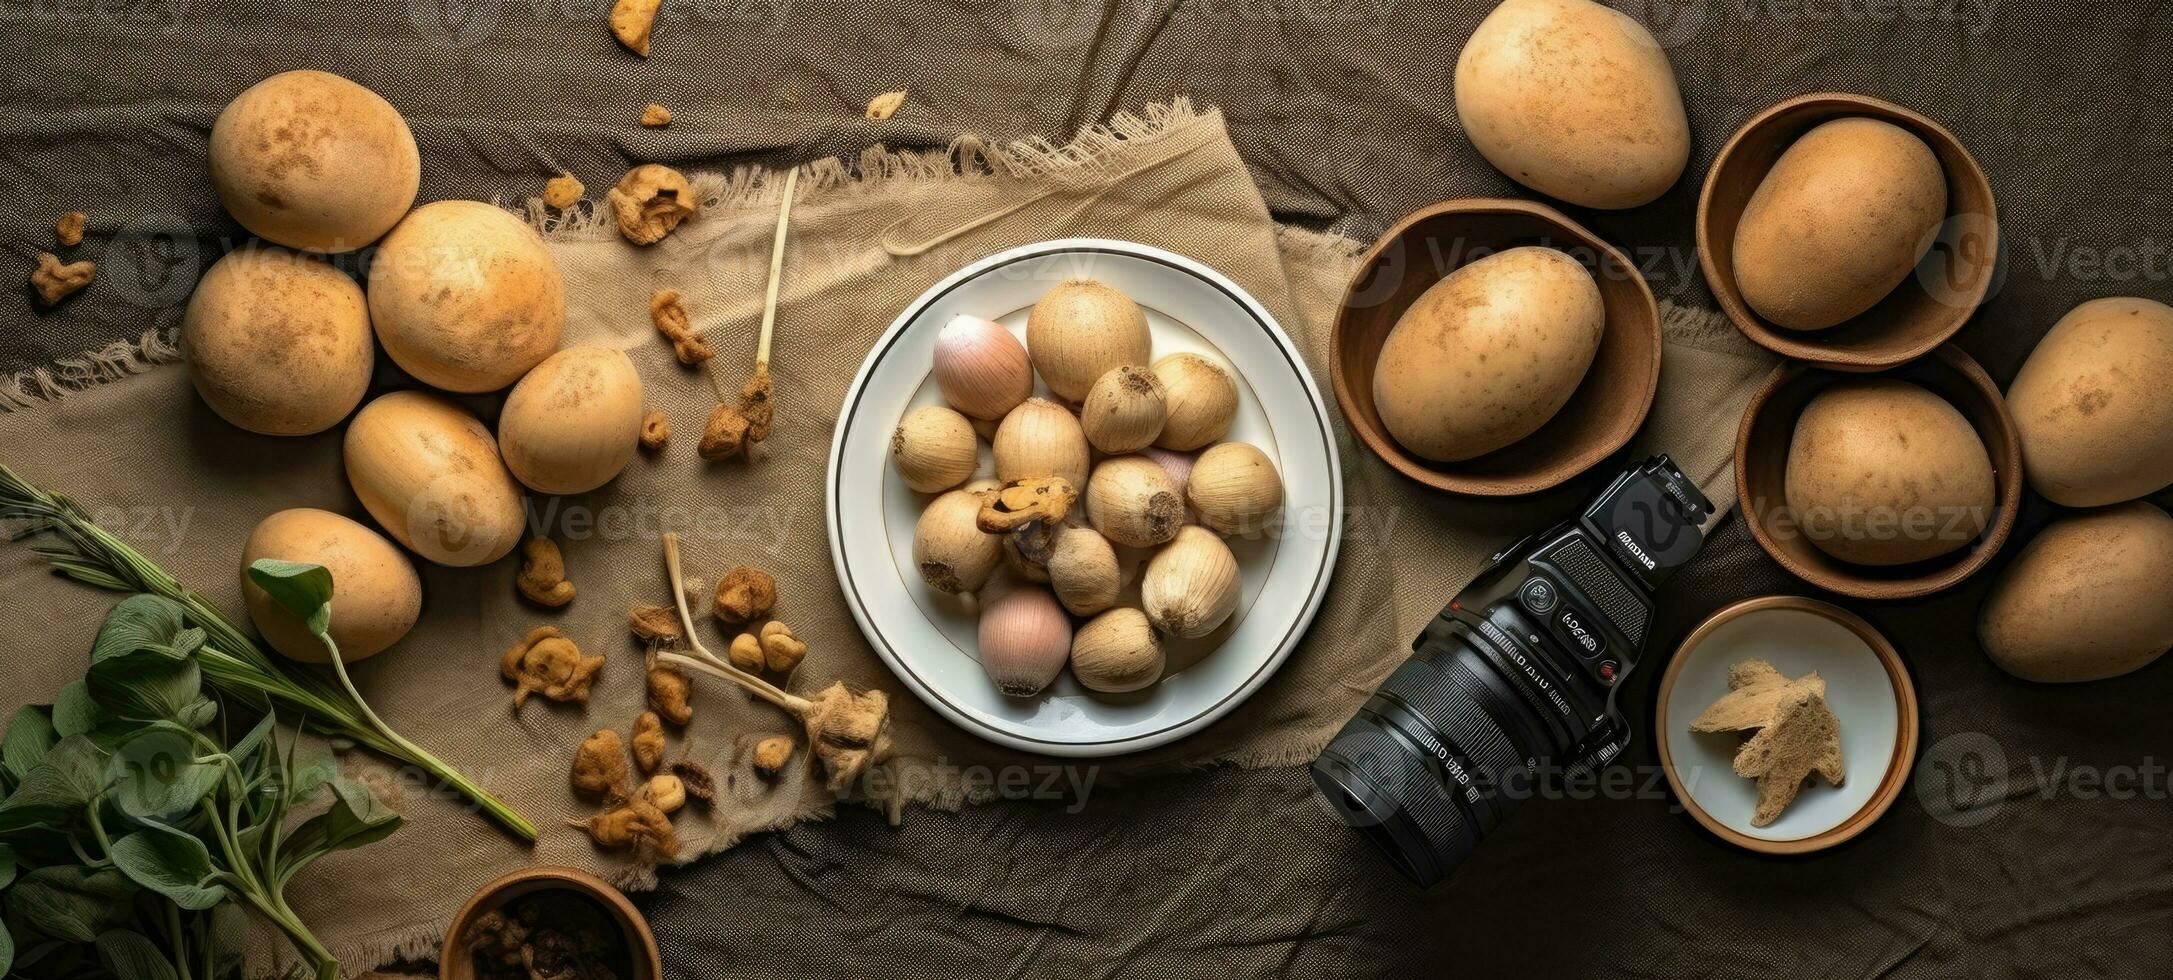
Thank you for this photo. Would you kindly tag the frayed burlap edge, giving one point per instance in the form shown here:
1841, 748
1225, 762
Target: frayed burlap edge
114, 361
1087, 156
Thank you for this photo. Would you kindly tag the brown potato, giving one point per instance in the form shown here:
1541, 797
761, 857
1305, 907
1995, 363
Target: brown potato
2090, 598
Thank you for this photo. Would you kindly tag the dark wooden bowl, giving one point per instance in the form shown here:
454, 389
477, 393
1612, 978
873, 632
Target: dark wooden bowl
1761, 469
456, 961
1921, 313
1599, 418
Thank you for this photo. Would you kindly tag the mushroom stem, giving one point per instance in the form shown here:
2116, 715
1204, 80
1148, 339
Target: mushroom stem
707, 662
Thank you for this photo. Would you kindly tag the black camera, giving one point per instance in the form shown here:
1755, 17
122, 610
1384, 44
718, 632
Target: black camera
1515, 681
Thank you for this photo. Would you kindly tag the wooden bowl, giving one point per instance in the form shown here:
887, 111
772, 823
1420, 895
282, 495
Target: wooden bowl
456, 961
1761, 465
1922, 312
1870, 693
1599, 418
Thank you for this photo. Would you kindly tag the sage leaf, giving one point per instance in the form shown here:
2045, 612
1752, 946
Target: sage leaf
155, 776
7, 952
30, 735
146, 624
130, 955
149, 687
355, 818
308, 767
305, 589
70, 775
7, 873
70, 902
74, 713
172, 863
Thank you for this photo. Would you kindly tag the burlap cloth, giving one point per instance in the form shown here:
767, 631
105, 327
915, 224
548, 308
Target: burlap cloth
186, 487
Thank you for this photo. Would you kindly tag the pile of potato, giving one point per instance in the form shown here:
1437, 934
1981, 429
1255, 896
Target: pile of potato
1142, 456
461, 295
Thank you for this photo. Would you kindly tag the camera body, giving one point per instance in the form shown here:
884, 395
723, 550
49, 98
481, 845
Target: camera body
1516, 678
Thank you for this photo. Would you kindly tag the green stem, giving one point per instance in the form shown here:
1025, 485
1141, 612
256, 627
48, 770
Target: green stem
90, 554
180, 939
98, 828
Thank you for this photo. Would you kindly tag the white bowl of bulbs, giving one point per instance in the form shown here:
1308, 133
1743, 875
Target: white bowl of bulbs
1084, 497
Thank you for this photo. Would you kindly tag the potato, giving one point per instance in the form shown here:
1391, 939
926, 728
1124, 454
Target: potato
313, 161
2091, 407
429, 473
376, 596
1840, 220
1882, 472
465, 297
2091, 597
573, 422
1574, 100
1487, 355
278, 342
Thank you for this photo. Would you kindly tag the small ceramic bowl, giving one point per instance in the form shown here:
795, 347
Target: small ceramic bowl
1599, 418
1921, 313
1761, 470
456, 961
1867, 687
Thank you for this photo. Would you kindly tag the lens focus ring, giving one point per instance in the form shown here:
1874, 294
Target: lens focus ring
1447, 701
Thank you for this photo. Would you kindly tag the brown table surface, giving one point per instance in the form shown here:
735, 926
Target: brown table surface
1343, 109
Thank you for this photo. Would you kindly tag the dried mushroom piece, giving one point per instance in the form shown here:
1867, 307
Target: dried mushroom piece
631, 23
725, 435
781, 651
69, 229
56, 281
1015, 504
635, 824
656, 429
654, 624
771, 754
563, 191
887, 104
848, 730
650, 201
545, 662
543, 574
655, 115
648, 743
671, 319
599, 767
745, 595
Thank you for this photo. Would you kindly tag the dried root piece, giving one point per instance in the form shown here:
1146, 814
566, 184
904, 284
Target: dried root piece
654, 116
745, 595
55, 281
746, 652
671, 320
635, 824
649, 742
665, 792
671, 693
1804, 738
887, 104
654, 624
651, 201
69, 229
545, 662
696, 780
848, 731
543, 574
631, 22
754, 404
599, 767
1044, 499
563, 191
781, 651
656, 429
725, 435
771, 754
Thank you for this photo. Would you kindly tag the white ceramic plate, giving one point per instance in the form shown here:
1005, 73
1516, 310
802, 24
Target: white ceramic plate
929, 639
1871, 701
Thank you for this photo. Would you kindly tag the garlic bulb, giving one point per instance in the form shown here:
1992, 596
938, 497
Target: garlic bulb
1190, 587
1079, 331
981, 368
1041, 438
1201, 401
934, 449
952, 552
1235, 489
1083, 571
1025, 639
1133, 503
1178, 465
1116, 652
1124, 410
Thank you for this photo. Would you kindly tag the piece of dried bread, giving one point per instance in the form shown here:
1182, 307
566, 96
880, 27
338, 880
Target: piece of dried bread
1796, 734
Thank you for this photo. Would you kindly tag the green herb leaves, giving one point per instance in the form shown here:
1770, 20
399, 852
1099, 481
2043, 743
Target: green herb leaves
305, 589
